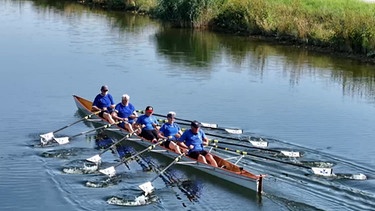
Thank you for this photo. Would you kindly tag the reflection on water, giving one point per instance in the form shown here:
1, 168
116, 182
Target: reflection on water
204, 49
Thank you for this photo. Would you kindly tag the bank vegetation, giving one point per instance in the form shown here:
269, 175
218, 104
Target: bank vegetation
340, 26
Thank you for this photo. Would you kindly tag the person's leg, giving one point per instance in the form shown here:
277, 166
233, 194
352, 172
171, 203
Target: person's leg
202, 159
108, 117
211, 159
173, 146
129, 127
147, 135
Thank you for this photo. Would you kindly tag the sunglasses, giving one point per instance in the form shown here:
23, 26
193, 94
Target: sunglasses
105, 90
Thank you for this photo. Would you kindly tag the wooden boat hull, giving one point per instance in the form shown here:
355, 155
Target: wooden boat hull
226, 170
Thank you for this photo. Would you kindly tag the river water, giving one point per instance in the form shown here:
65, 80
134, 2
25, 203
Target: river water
320, 105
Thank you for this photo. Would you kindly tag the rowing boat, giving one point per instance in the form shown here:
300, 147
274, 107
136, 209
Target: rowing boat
226, 170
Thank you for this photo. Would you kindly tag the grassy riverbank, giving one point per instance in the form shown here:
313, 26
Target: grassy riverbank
342, 26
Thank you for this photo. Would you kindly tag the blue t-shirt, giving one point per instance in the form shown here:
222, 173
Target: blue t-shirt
101, 101
124, 111
193, 139
170, 129
147, 121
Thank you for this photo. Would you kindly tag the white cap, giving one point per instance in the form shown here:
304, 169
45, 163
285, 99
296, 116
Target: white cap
171, 114
125, 96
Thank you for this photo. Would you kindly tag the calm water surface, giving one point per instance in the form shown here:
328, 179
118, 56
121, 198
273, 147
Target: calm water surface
321, 105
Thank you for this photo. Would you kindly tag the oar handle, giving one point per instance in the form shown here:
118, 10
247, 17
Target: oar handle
220, 136
89, 131
178, 158
259, 156
233, 144
149, 148
84, 118
159, 115
119, 141
246, 146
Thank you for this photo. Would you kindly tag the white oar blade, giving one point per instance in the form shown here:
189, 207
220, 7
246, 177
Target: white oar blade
110, 171
359, 176
63, 140
94, 120
291, 154
45, 138
260, 144
146, 187
234, 131
113, 129
211, 125
95, 159
322, 171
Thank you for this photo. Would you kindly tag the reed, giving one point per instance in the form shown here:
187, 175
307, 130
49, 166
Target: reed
344, 25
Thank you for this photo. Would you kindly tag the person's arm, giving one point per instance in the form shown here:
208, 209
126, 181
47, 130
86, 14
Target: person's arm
95, 105
134, 114
181, 143
113, 104
179, 131
95, 108
205, 140
116, 117
161, 132
155, 123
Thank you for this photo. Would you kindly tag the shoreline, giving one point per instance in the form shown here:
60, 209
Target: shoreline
317, 49
348, 42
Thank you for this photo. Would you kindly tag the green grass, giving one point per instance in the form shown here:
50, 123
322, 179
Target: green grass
342, 25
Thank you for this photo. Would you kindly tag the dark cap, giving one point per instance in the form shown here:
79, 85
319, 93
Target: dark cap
104, 88
171, 114
195, 124
149, 109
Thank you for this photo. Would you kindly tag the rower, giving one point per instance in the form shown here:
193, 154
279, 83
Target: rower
125, 111
194, 139
104, 103
171, 131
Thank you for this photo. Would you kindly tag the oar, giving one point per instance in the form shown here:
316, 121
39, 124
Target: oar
262, 143
315, 170
65, 140
44, 138
212, 125
206, 125
285, 153
96, 158
147, 186
111, 171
